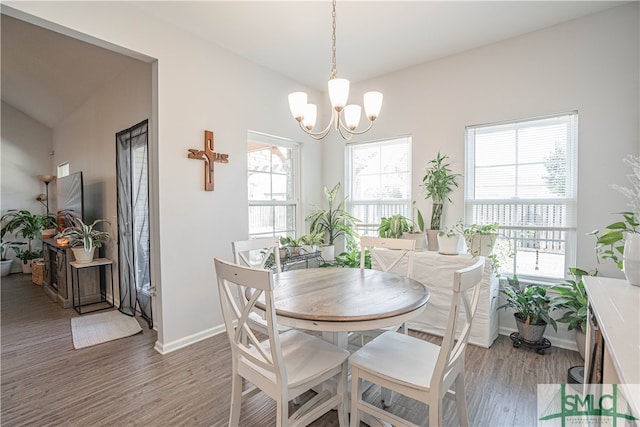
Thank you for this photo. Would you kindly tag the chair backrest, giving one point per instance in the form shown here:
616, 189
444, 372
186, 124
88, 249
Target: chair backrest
258, 253
456, 335
242, 335
401, 249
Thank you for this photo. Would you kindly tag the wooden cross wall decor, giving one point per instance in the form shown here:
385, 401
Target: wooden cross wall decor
209, 157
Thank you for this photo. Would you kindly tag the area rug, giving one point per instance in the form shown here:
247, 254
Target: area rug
102, 327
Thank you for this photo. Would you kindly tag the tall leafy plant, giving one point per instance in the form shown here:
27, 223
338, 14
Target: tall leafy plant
572, 299
334, 221
438, 183
26, 224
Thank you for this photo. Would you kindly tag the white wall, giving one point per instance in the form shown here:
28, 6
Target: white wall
26, 144
199, 87
589, 65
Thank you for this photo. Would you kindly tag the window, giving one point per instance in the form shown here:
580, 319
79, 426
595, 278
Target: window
523, 175
272, 168
63, 169
378, 181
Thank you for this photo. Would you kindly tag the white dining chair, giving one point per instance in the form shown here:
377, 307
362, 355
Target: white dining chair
283, 366
402, 250
257, 253
419, 369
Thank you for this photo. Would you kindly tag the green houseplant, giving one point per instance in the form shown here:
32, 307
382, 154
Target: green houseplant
531, 305
480, 239
333, 222
438, 183
83, 238
393, 226
572, 299
29, 226
6, 263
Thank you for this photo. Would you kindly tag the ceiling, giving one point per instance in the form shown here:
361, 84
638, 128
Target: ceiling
48, 75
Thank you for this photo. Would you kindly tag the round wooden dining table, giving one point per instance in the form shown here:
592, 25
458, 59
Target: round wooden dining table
346, 299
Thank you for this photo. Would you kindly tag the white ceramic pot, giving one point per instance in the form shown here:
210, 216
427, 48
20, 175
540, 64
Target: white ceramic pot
329, 253
631, 258
83, 256
432, 240
6, 267
448, 245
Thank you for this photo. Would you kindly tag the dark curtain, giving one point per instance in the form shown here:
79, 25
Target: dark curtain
133, 221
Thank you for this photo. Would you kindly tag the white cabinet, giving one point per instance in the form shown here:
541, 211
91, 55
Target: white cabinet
435, 271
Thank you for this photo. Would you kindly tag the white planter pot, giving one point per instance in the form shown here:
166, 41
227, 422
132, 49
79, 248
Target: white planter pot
631, 258
432, 240
6, 267
480, 244
329, 253
26, 266
419, 237
448, 245
83, 256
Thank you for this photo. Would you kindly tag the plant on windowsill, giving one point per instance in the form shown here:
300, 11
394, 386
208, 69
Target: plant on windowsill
84, 238
531, 305
333, 222
393, 226
438, 184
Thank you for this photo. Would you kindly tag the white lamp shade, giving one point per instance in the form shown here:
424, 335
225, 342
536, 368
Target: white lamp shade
310, 114
297, 104
338, 93
352, 116
372, 104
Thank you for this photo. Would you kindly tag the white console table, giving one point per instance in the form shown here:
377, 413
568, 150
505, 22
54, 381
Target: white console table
614, 304
435, 271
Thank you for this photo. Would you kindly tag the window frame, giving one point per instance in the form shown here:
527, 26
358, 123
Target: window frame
295, 202
371, 229
569, 202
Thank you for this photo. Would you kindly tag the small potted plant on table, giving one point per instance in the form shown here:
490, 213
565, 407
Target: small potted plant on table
438, 184
83, 238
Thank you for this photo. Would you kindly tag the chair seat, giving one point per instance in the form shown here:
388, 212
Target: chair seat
395, 356
304, 356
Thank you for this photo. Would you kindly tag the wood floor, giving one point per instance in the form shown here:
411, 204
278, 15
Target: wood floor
45, 382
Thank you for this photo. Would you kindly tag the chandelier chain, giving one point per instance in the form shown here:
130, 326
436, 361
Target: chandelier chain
334, 71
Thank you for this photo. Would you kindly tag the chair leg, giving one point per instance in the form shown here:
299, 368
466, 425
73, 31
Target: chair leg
236, 400
343, 406
461, 401
435, 411
356, 397
282, 412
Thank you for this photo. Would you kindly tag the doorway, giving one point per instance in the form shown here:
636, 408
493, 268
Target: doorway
132, 165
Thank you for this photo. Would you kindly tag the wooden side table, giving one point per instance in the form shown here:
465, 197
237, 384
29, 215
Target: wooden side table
102, 303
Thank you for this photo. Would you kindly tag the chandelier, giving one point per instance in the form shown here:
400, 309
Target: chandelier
344, 118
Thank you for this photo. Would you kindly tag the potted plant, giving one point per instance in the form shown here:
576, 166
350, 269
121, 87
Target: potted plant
29, 226
572, 299
6, 263
290, 245
449, 239
83, 238
416, 229
480, 239
310, 242
438, 184
531, 305
393, 226
333, 222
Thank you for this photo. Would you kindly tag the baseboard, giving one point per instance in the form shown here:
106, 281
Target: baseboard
555, 341
163, 348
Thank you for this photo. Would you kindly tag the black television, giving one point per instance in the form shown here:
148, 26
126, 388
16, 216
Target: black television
69, 197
